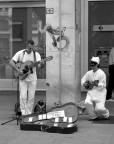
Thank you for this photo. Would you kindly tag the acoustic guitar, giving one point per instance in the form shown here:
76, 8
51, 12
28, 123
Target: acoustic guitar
27, 67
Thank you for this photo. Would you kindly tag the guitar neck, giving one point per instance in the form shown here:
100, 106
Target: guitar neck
38, 62
35, 63
43, 60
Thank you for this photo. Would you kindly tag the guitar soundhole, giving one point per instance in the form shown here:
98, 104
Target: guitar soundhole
26, 69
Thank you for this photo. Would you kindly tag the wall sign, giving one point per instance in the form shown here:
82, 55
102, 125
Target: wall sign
49, 10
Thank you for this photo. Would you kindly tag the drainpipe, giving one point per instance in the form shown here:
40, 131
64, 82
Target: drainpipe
78, 50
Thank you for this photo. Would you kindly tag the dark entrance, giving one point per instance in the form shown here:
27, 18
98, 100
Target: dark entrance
101, 31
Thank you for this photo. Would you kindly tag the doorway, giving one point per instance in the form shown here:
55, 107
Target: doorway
101, 31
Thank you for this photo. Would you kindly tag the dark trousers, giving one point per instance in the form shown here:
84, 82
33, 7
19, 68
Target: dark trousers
110, 86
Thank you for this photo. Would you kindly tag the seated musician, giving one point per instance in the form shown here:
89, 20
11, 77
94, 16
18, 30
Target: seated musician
94, 82
28, 80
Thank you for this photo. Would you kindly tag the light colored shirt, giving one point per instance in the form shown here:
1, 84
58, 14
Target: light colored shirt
97, 93
111, 57
92, 76
22, 56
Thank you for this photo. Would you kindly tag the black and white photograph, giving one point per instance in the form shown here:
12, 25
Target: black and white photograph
56, 71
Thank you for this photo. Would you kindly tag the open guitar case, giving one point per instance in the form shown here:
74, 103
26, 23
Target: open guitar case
64, 125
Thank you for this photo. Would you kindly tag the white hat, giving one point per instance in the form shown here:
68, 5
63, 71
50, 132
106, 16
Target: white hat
95, 59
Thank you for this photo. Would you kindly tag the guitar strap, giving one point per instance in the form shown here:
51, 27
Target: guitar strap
36, 65
34, 56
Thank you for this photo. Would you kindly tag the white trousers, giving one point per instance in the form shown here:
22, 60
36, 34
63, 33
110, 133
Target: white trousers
96, 108
27, 94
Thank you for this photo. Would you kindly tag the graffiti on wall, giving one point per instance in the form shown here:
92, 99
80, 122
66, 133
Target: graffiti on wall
58, 36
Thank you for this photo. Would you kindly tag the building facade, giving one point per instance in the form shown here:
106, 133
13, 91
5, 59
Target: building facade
85, 26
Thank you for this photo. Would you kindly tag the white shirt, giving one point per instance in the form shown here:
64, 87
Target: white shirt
97, 93
22, 56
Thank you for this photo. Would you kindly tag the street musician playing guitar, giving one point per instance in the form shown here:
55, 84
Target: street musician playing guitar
94, 82
27, 75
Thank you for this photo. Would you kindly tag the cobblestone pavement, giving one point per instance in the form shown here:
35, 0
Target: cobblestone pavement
101, 132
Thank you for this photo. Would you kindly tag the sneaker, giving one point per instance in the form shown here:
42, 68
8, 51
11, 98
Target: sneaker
95, 119
108, 118
99, 118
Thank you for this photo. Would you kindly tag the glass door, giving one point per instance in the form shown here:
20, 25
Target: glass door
5, 46
19, 22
